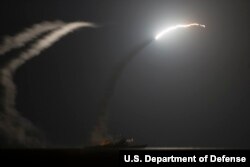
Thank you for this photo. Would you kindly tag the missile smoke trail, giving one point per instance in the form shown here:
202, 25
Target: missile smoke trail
177, 27
100, 132
45, 43
14, 129
28, 35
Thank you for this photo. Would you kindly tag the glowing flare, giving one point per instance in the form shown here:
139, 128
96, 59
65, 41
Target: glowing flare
177, 27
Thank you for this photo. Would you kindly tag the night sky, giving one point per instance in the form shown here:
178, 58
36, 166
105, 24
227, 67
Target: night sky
190, 89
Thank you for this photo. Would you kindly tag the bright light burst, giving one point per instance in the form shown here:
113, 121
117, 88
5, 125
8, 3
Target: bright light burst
158, 36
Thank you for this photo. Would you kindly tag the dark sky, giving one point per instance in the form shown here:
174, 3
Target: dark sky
190, 89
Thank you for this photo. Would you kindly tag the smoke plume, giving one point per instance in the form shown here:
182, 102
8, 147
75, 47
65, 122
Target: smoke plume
28, 35
14, 129
100, 132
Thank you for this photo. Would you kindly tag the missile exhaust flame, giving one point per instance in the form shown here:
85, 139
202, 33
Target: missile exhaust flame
172, 28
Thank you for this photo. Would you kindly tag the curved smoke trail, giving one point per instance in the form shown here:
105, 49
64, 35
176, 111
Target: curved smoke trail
14, 129
100, 133
28, 35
